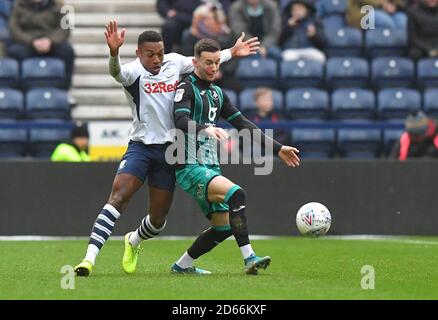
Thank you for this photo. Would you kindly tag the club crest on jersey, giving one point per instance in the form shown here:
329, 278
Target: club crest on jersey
212, 113
215, 95
179, 95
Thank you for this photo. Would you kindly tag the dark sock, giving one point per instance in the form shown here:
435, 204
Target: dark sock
236, 204
206, 241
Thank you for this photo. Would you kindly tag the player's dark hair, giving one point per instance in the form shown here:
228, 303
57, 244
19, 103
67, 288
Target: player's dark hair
208, 45
149, 36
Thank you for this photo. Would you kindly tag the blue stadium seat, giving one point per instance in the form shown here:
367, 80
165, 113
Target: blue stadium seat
353, 103
390, 72
232, 95
253, 72
430, 102
359, 143
4, 30
9, 73
47, 103
13, 143
5, 9
390, 137
397, 103
427, 73
247, 103
301, 73
329, 7
343, 42
386, 42
334, 22
307, 103
43, 72
347, 72
11, 104
44, 141
314, 143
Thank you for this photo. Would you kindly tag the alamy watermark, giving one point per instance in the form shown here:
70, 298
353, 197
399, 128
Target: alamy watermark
68, 17
68, 280
193, 148
368, 21
368, 280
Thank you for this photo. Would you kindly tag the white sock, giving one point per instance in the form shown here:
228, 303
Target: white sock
135, 239
246, 251
185, 261
92, 252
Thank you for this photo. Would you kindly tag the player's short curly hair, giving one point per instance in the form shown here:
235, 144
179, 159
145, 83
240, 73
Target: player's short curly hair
208, 45
149, 36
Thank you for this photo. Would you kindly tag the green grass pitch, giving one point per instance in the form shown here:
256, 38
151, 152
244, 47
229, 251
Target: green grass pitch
301, 268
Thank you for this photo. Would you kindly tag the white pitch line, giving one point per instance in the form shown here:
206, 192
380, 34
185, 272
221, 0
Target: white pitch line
55, 238
393, 239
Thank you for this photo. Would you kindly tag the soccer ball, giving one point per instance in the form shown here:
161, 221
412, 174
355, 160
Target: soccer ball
313, 219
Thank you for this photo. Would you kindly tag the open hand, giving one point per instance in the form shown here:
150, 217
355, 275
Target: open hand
114, 39
289, 156
245, 48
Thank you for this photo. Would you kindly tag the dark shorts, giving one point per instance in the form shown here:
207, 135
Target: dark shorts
149, 161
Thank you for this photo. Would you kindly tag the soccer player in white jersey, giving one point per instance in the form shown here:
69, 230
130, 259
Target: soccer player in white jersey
149, 83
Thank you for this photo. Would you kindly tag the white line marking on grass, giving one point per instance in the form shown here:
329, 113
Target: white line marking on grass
55, 238
394, 239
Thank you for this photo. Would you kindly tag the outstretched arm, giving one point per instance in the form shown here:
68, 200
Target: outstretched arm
240, 49
232, 115
115, 40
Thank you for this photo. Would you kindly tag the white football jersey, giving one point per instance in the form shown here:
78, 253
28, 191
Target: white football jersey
151, 97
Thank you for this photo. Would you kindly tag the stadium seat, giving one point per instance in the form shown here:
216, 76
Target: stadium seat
314, 143
329, 7
9, 73
343, 42
397, 103
43, 72
353, 103
430, 102
13, 143
347, 72
47, 103
11, 104
44, 141
247, 103
334, 22
390, 137
427, 73
386, 42
301, 73
307, 103
257, 72
232, 95
359, 143
390, 72
5, 9
4, 30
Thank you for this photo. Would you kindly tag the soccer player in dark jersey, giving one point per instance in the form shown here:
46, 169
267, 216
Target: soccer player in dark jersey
198, 105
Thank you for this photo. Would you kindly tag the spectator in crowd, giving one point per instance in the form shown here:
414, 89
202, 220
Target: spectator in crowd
209, 21
422, 29
35, 30
264, 102
302, 34
387, 13
75, 150
420, 139
391, 15
258, 18
177, 16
